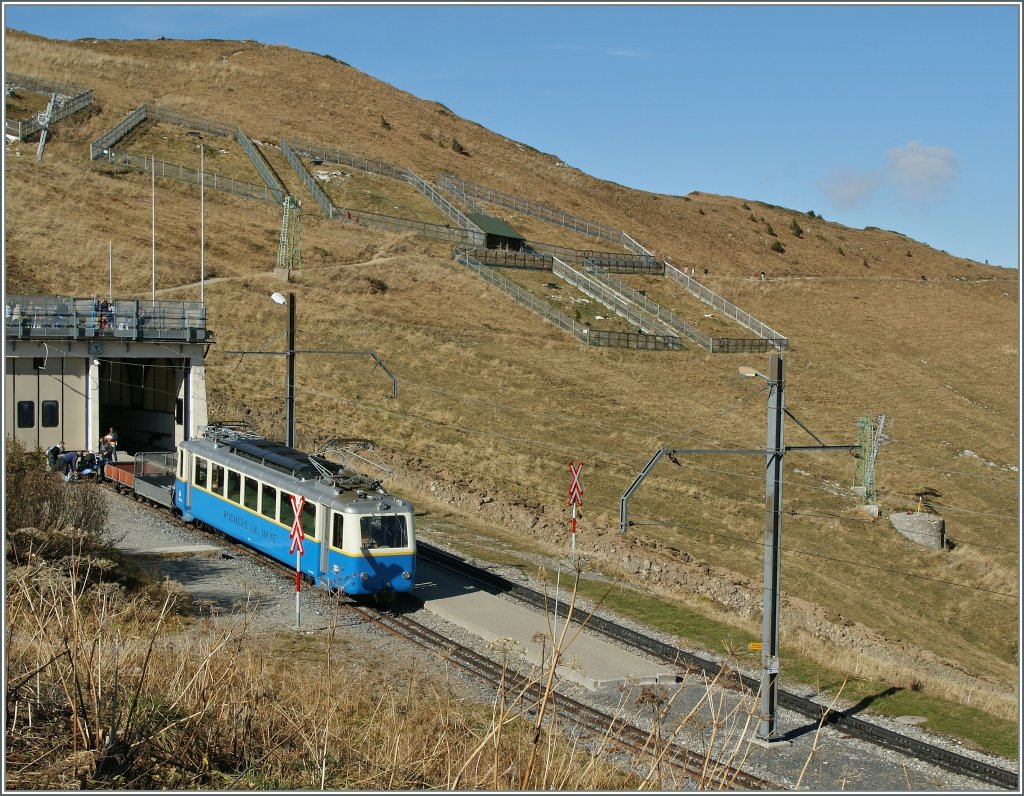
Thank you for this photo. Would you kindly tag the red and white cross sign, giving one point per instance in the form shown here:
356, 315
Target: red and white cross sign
296, 534
575, 490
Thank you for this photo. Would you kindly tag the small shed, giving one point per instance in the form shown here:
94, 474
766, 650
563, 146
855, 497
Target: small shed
499, 235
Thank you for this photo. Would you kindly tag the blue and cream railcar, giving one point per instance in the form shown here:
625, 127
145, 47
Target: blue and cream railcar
358, 538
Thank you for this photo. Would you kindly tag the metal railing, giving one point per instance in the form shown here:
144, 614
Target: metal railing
649, 342
173, 171
307, 179
192, 122
506, 258
593, 337
613, 262
463, 197
664, 317
439, 201
609, 297
530, 208
69, 318
41, 85
315, 152
262, 166
523, 297
103, 146
727, 308
73, 104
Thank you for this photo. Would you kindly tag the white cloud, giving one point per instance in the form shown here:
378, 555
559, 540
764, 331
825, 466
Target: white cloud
923, 173
849, 187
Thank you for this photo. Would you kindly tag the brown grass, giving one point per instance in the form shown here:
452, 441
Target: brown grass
492, 398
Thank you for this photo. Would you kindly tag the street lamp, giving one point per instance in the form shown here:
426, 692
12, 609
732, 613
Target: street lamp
289, 431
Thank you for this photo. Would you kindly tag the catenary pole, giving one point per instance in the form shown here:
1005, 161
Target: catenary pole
152, 171
202, 227
772, 563
290, 397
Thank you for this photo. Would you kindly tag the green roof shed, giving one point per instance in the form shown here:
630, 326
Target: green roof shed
499, 235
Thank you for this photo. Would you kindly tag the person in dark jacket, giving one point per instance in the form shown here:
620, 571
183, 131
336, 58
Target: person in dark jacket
68, 461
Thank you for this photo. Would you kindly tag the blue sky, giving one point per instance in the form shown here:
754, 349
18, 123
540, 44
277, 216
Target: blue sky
900, 117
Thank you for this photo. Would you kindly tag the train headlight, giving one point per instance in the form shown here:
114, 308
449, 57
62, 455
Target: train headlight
363, 577
335, 569
406, 575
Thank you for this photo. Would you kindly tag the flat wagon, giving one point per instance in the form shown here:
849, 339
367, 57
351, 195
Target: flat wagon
146, 476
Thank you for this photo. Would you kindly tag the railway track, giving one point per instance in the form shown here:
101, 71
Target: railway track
689, 769
694, 770
850, 725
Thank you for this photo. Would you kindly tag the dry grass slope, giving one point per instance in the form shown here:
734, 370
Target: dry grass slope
493, 401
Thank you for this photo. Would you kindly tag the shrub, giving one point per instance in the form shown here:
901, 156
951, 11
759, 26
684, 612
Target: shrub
44, 516
384, 122
459, 148
796, 229
778, 247
701, 211
746, 206
769, 230
810, 214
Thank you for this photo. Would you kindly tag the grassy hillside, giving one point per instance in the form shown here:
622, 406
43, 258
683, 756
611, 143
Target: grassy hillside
493, 401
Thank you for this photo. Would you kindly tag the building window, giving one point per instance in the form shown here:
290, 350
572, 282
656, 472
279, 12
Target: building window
50, 414
26, 414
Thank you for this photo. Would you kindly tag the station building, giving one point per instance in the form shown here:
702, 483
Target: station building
74, 367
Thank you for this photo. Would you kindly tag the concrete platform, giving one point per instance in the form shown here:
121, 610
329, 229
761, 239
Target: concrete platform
588, 660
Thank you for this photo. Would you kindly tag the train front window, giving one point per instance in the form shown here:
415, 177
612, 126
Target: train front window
383, 532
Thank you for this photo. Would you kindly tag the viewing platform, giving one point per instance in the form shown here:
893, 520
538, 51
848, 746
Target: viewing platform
34, 317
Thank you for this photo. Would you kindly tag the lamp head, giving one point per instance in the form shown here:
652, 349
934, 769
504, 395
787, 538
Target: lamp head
748, 372
278, 298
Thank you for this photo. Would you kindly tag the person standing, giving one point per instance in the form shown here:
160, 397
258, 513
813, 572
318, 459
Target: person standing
111, 438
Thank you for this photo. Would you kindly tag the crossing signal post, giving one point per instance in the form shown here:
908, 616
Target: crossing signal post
575, 498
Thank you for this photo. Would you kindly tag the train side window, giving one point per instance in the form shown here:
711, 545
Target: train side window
234, 486
201, 469
338, 530
250, 494
287, 515
217, 479
309, 520
383, 531
49, 414
268, 505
